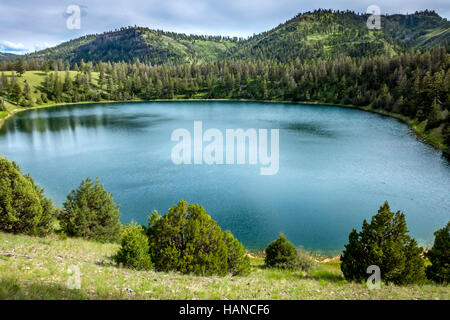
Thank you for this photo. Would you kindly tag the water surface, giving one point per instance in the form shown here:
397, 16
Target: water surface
337, 166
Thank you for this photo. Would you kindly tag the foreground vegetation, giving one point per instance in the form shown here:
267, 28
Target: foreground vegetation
186, 241
37, 268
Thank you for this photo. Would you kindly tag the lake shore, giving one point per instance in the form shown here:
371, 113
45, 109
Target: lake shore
413, 124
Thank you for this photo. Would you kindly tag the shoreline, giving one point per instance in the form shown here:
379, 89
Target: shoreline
420, 134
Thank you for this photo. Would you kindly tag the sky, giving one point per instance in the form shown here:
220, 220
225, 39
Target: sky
31, 25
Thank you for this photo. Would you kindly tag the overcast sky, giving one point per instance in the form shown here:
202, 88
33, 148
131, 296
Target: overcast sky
29, 25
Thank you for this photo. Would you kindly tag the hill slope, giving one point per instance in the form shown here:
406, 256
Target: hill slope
129, 44
37, 268
325, 34
7, 56
318, 34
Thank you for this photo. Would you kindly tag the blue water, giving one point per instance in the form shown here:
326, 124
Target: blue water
337, 166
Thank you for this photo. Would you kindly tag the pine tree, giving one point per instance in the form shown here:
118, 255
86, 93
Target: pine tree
20, 67
90, 212
281, 254
384, 242
2, 104
16, 93
23, 206
439, 256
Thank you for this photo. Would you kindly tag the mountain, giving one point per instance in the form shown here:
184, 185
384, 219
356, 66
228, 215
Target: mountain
324, 34
7, 56
318, 34
129, 44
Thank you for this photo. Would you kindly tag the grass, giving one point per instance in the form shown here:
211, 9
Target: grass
37, 268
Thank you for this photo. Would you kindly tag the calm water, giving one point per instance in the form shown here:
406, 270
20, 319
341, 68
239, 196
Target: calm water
337, 166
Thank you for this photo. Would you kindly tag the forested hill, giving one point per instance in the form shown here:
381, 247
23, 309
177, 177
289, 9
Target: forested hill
7, 56
318, 34
150, 46
324, 34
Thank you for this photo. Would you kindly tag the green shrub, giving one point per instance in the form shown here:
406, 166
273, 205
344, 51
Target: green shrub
187, 240
384, 242
49, 211
439, 256
305, 261
281, 254
23, 206
238, 261
134, 250
90, 212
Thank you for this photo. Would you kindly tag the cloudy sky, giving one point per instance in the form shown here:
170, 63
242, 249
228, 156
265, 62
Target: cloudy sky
29, 25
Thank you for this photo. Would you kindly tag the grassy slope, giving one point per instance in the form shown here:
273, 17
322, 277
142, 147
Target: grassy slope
38, 269
36, 79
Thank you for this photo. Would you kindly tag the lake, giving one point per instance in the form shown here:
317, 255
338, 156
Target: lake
336, 166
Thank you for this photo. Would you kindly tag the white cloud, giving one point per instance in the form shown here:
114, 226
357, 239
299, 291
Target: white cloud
9, 46
20, 48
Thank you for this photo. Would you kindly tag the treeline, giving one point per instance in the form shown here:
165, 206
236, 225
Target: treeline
415, 85
188, 240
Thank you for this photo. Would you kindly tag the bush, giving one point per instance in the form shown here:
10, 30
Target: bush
90, 212
281, 254
304, 260
187, 240
384, 242
49, 211
23, 206
238, 261
134, 250
439, 256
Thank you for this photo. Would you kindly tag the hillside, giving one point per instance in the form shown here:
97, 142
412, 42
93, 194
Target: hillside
7, 56
129, 44
325, 34
318, 34
37, 268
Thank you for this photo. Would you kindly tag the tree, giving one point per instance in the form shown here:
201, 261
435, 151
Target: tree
446, 133
20, 67
16, 92
434, 119
49, 211
187, 240
2, 104
90, 212
23, 206
238, 261
281, 254
134, 250
384, 242
439, 256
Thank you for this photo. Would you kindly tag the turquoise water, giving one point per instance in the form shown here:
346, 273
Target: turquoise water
337, 166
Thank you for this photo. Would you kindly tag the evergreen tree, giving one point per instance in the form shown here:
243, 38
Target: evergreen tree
2, 104
187, 240
384, 242
439, 256
90, 212
16, 93
23, 206
134, 250
20, 67
281, 254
